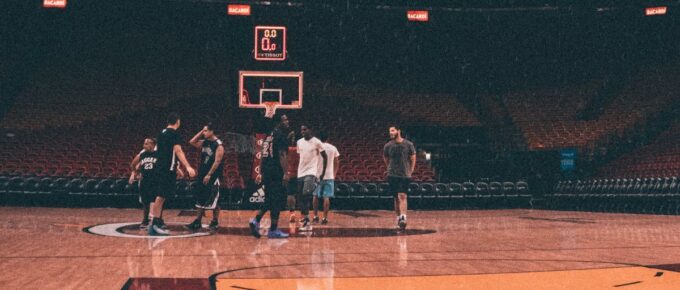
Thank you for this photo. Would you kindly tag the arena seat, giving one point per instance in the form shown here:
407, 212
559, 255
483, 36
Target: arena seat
343, 191
509, 189
456, 190
372, 191
104, 186
469, 190
4, 182
357, 190
31, 185
75, 186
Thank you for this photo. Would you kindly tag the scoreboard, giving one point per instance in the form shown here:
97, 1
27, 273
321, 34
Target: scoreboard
270, 43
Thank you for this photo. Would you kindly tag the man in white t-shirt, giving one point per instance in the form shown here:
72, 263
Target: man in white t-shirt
310, 149
326, 188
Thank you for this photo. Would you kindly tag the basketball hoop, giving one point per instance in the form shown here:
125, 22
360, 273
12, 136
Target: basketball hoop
270, 109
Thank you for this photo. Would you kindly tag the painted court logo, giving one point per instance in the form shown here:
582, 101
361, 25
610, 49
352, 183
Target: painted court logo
132, 230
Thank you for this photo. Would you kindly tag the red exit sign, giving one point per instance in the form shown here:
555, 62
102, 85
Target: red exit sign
237, 9
418, 15
651, 11
54, 4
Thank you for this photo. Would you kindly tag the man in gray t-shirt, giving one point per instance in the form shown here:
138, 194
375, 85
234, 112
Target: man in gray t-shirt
400, 157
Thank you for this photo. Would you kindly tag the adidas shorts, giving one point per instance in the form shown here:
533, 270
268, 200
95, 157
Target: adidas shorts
207, 195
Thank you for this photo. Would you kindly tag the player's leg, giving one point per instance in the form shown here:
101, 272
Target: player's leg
166, 187
200, 195
214, 223
268, 183
403, 201
327, 189
155, 227
145, 197
145, 217
394, 191
277, 201
315, 205
215, 196
305, 198
290, 203
326, 209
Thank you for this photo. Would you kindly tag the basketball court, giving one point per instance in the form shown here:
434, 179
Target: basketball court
55, 248
532, 144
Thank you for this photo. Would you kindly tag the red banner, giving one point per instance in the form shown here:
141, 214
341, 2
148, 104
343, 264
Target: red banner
54, 4
236, 9
656, 10
418, 15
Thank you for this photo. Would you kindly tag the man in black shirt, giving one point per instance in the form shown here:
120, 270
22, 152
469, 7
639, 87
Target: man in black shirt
207, 187
274, 178
168, 153
400, 157
143, 168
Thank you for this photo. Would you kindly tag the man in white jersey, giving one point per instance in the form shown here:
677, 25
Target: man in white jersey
309, 148
326, 188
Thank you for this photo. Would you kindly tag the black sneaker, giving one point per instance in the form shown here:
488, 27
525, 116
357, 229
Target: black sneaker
214, 225
194, 226
161, 224
402, 223
324, 221
316, 219
144, 224
306, 226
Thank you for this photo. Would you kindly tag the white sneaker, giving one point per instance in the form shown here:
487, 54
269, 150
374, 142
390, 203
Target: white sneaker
306, 227
156, 230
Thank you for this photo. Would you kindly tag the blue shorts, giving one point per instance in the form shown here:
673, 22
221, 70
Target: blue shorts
325, 189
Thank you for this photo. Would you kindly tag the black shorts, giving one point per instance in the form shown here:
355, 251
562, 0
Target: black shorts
398, 184
206, 196
147, 191
167, 184
272, 179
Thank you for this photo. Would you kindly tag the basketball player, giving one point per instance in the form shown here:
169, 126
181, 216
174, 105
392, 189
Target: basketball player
326, 188
400, 157
309, 148
143, 168
206, 190
274, 178
168, 153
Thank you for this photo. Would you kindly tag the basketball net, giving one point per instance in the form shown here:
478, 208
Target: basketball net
270, 109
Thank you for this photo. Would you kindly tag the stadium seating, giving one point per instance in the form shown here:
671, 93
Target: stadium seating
660, 158
638, 195
549, 119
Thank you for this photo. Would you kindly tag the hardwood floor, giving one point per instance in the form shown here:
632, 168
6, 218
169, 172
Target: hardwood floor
52, 248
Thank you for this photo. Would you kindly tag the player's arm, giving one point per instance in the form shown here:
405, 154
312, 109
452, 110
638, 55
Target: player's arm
283, 160
412, 154
413, 163
386, 157
195, 141
134, 166
336, 165
183, 160
219, 154
324, 156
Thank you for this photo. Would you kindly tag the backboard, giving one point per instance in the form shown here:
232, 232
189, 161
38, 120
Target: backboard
255, 88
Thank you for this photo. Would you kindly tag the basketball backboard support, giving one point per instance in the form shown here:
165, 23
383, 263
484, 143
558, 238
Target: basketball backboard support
255, 88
